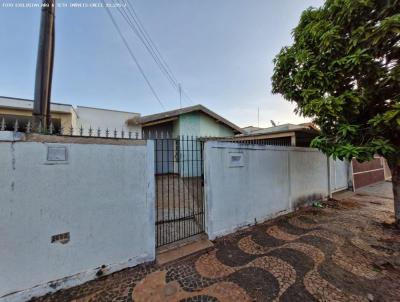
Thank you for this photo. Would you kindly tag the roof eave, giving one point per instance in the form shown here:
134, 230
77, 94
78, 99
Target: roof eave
175, 113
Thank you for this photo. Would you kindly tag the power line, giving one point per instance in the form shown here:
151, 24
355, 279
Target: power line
127, 17
131, 17
145, 33
187, 96
132, 54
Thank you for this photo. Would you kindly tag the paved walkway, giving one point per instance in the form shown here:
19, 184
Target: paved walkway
347, 251
380, 189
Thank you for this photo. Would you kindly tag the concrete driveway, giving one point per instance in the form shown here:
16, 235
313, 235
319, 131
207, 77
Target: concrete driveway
346, 251
380, 189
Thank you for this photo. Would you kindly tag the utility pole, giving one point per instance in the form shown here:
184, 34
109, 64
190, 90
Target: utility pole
44, 65
258, 117
180, 95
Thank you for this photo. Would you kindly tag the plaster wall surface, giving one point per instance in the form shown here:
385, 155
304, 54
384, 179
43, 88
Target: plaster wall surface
103, 119
197, 125
245, 184
102, 195
209, 127
22, 104
308, 175
189, 124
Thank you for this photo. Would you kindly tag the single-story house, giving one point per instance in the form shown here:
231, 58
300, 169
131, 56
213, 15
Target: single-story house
197, 121
182, 127
287, 134
250, 129
67, 116
301, 135
17, 109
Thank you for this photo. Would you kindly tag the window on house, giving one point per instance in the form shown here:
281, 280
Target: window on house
9, 121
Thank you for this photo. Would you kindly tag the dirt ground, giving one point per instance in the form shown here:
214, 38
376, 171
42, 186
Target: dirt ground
345, 251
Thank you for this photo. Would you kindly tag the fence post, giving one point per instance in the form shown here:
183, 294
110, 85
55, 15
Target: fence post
329, 177
151, 191
206, 194
289, 171
351, 175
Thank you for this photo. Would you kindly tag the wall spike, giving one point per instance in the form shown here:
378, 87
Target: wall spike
28, 127
3, 124
16, 126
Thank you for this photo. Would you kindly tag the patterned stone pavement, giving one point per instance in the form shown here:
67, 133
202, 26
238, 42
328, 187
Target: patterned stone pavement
347, 251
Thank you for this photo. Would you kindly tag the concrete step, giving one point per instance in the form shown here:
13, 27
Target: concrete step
179, 250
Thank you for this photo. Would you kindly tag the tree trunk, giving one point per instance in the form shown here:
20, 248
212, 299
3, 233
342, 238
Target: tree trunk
395, 170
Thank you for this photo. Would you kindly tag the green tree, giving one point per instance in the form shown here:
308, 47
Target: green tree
343, 71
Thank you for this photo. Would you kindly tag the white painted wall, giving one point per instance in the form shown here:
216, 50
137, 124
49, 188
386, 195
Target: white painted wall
103, 195
84, 117
269, 181
308, 175
340, 172
14, 103
103, 119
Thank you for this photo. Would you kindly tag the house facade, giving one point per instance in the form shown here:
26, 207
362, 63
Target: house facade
287, 134
182, 126
12, 109
197, 121
106, 119
68, 117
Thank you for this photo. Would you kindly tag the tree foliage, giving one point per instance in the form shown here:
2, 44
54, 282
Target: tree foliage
343, 71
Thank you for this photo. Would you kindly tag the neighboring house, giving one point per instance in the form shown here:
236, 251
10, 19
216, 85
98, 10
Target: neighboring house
195, 121
12, 109
301, 135
104, 119
66, 116
287, 134
250, 129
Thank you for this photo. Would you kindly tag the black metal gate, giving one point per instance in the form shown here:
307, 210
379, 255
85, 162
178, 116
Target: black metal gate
179, 189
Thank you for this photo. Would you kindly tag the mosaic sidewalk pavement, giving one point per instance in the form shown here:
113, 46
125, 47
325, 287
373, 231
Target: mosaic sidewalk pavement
347, 251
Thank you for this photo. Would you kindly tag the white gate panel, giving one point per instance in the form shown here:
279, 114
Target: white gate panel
339, 175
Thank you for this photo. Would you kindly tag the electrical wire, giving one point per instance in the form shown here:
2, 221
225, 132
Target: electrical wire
127, 17
129, 14
133, 24
132, 54
148, 38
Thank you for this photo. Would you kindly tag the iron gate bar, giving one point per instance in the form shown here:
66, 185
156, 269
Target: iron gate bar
176, 157
188, 161
192, 184
179, 194
180, 185
184, 189
171, 145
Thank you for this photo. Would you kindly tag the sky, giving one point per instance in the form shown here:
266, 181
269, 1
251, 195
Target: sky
221, 52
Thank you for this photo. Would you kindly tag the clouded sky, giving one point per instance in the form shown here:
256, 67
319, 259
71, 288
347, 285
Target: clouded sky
220, 50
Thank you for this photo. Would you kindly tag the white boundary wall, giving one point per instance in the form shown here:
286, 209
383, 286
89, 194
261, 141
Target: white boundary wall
245, 184
106, 119
103, 195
